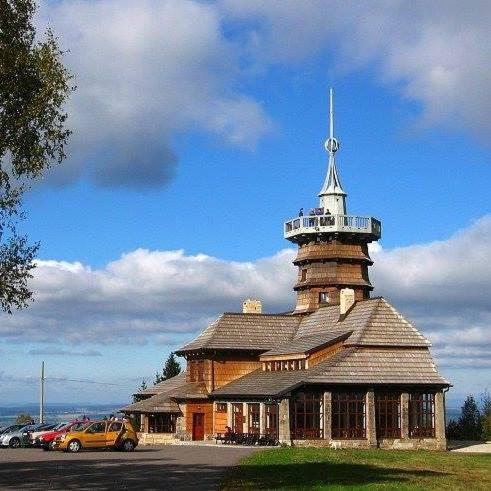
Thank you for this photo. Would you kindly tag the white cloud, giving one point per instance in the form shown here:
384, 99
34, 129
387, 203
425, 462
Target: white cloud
167, 297
146, 71
436, 53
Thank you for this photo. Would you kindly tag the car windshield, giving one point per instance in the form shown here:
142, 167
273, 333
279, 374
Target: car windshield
59, 426
12, 428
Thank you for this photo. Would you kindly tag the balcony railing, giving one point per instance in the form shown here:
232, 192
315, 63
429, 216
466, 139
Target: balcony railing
312, 224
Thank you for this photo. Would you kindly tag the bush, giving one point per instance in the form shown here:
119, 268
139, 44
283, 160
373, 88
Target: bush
24, 418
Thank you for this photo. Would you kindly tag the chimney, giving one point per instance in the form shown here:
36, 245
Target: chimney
252, 306
346, 301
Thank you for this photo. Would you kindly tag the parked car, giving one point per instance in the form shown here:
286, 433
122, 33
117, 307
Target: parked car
45, 429
46, 440
7, 429
18, 437
119, 435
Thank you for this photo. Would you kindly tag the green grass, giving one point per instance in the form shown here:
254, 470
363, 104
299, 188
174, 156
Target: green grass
317, 468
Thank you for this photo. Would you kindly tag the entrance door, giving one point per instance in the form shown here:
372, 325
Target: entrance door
238, 417
198, 426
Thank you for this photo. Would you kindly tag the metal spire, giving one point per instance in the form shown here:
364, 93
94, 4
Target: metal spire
332, 196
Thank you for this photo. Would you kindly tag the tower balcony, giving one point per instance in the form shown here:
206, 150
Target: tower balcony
300, 228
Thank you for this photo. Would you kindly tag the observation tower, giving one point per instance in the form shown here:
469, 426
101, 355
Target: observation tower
332, 245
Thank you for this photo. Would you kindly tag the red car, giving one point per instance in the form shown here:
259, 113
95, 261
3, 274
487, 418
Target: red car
46, 440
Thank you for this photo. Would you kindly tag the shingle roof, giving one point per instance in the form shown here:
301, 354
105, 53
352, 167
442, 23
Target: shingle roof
378, 366
164, 386
373, 321
306, 344
245, 331
361, 365
159, 403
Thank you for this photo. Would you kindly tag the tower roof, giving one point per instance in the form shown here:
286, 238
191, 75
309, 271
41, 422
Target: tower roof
332, 184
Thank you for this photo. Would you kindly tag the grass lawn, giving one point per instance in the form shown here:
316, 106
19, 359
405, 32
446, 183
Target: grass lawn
317, 468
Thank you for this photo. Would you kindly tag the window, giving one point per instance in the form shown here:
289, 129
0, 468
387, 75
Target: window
221, 407
421, 415
97, 428
324, 297
116, 426
306, 416
348, 415
196, 370
254, 418
271, 423
275, 366
303, 275
388, 414
162, 423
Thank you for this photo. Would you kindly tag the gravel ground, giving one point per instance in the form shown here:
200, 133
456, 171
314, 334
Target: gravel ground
147, 468
472, 447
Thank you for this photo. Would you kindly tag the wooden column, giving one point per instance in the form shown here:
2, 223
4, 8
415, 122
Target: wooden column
245, 425
262, 418
371, 422
327, 415
404, 415
229, 414
284, 421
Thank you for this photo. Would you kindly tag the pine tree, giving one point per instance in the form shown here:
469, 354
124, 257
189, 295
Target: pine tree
486, 415
138, 397
470, 423
171, 369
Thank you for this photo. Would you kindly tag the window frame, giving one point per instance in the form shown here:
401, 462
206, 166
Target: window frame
254, 417
421, 414
307, 416
221, 407
271, 419
162, 423
388, 410
347, 407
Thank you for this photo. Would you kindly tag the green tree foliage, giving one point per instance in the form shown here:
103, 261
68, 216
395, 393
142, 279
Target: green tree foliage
486, 415
470, 425
24, 418
34, 86
138, 397
171, 369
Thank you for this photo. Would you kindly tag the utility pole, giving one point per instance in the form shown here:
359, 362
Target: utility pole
41, 401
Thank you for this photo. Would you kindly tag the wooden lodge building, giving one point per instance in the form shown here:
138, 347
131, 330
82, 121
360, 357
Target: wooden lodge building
342, 367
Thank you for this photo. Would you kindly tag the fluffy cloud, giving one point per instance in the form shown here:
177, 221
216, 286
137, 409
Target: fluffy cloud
146, 71
149, 70
167, 297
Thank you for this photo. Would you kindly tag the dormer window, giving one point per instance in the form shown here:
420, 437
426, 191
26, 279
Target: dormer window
323, 297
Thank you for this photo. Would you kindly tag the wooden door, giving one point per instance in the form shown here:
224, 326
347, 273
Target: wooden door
198, 426
237, 418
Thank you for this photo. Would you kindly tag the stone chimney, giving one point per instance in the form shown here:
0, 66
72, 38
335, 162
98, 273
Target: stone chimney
252, 306
346, 301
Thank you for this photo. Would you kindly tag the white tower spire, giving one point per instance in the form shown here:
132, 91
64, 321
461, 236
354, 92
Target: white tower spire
332, 196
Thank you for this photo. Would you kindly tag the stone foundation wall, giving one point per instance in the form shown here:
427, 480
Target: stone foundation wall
157, 438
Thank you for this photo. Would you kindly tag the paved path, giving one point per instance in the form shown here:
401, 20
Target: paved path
472, 447
147, 468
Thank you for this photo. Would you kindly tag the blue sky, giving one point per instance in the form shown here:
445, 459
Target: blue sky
199, 126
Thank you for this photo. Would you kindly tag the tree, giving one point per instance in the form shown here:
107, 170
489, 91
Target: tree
138, 397
34, 86
486, 415
470, 425
24, 418
171, 369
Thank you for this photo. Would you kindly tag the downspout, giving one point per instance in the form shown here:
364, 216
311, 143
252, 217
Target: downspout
445, 412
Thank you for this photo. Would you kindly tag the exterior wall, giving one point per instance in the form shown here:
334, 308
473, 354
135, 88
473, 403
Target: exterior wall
204, 407
228, 368
330, 266
323, 354
221, 421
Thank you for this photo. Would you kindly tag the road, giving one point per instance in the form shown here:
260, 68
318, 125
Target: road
147, 468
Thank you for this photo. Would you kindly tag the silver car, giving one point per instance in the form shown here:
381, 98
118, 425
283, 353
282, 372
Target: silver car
17, 437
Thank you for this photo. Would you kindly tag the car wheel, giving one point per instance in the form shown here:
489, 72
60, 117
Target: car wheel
46, 448
14, 442
51, 445
74, 446
128, 446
